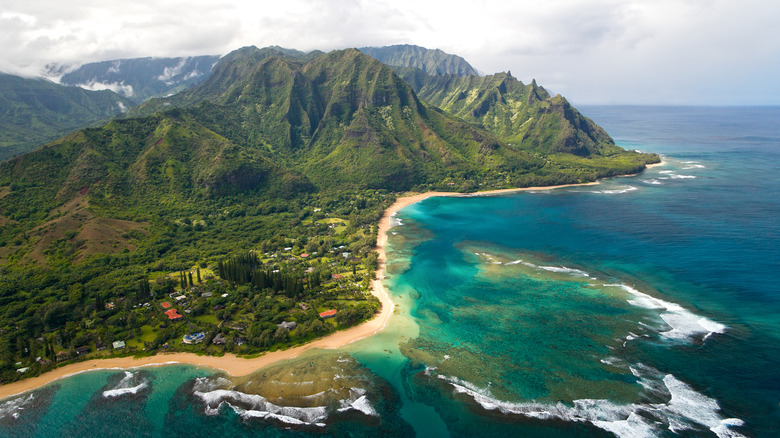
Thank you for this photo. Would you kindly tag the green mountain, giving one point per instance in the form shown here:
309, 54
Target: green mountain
433, 62
35, 111
142, 78
524, 115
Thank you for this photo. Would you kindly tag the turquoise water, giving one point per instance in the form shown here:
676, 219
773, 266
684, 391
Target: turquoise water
642, 306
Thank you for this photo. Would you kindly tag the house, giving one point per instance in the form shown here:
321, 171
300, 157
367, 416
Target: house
118, 345
165, 304
304, 255
336, 276
220, 339
304, 306
61, 355
82, 350
218, 307
207, 294
328, 314
195, 338
174, 315
240, 340
109, 306
180, 297
22, 370
99, 346
289, 325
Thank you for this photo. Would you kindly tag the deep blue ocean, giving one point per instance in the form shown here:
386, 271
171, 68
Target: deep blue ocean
641, 306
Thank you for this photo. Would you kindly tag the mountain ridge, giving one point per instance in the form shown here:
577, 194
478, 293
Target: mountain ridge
431, 61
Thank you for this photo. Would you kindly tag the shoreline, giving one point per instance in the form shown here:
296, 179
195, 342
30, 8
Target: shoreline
238, 366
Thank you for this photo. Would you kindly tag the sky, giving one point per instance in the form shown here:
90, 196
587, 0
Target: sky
700, 52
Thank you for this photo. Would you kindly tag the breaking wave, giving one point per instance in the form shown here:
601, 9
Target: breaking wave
684, 324
249, 406
12, 408
128, 385
616, 191
682, 409
565, 270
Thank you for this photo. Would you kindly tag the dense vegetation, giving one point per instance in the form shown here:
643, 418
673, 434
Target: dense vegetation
36, 111
251, 200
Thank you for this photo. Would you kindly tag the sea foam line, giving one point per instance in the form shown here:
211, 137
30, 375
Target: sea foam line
684, 323
256, 406
125, 386
686, 409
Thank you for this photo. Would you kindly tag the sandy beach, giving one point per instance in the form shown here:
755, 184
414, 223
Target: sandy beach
237, 366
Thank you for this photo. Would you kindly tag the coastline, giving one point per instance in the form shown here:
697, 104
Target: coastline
237, 366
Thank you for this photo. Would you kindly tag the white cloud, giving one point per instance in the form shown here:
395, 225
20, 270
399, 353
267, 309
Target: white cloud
117, 87
611, 51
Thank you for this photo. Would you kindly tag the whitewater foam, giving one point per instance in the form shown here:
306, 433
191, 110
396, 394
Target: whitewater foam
358, 401
13, 408
565, 270
615, 191
686, 409
256, 406
126, 386
684, 324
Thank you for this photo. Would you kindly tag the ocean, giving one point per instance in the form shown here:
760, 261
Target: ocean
642, 306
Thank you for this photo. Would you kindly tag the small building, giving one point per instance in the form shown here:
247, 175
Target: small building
180, 297
100, 346
174, 315
220, 339
118, 345
82, 350
240, 340
336, 276
304, 306
61, 355
22, 370
309, 270
328, 314
218, 307
207, 294
304, 255
109, 306
165, 304
195, 338
346, 254
289, 325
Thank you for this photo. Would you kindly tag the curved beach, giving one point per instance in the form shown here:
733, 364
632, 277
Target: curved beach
237, 366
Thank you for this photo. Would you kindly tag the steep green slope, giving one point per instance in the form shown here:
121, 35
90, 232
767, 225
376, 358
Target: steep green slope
139, 161
434, 62
525, 115
35, 111
343, 119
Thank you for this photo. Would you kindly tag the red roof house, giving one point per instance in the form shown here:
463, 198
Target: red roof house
174, 315
328, 313
165, 304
